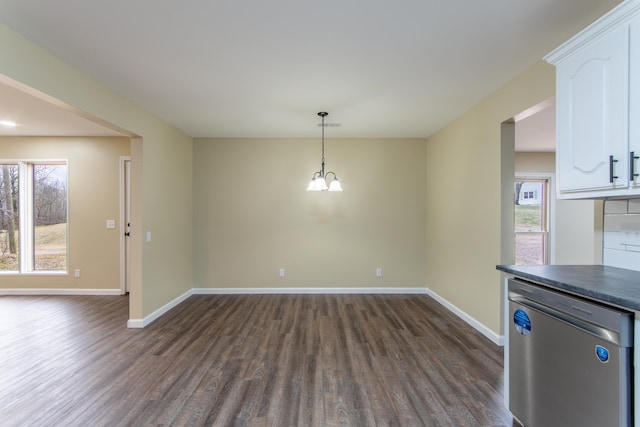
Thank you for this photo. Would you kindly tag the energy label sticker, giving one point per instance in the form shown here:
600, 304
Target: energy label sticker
522, 322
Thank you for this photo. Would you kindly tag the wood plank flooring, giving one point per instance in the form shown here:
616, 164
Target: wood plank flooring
246, 360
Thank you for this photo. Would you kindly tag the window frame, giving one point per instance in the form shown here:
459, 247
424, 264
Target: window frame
26, 229
551, 200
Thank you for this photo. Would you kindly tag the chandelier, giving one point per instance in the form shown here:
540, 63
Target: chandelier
318, 181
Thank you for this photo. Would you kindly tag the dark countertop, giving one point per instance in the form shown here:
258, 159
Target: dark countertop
611, 285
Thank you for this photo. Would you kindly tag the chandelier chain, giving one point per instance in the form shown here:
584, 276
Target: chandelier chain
323, 116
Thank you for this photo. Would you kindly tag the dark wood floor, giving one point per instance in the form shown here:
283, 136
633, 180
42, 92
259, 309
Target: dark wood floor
259, 360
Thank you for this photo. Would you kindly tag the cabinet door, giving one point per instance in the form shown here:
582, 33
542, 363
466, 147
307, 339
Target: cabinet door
592, 115
634, 104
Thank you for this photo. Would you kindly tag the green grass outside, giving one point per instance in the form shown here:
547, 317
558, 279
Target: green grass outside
528, 217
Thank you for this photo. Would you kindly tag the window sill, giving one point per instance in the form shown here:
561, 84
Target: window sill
34, 273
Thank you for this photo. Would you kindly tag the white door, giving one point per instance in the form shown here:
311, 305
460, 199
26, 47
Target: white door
126, 224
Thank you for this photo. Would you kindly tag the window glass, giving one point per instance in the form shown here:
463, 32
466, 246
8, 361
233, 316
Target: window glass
50, 217
9, 218
530, 248
531, 221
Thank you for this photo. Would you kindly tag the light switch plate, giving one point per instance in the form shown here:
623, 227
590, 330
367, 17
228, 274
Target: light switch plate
111, 223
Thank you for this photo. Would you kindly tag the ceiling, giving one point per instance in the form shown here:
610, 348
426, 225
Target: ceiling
264, 69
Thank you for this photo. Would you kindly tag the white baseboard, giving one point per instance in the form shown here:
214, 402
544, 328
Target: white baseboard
141, 323
135, 323
45, 291
256, 291
497, 339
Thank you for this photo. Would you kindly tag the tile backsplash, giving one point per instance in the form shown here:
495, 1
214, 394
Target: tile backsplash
621, 241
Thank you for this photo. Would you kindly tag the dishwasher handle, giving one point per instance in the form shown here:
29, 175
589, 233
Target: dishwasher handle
596, 330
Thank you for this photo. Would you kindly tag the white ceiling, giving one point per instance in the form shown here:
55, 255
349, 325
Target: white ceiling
264, 69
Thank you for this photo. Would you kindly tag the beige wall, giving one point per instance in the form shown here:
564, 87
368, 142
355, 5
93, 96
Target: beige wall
536, 163
465, 169
93, 197
579, 228
161, 160
578, 223
253, 215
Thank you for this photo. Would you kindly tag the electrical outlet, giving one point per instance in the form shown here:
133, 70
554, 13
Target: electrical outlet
378, 272
77, 272
281, 272
111, 223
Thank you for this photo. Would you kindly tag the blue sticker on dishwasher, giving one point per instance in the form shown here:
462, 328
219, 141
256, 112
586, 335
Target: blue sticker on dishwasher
522, 322
602, 353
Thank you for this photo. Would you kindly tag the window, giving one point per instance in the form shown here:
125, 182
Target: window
33, 220
531, 221
9, 222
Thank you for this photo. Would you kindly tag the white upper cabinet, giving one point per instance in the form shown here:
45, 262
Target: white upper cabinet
591, 108
634, 106
598, 107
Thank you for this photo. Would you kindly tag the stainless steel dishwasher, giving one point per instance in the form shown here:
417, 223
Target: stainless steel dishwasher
570, 360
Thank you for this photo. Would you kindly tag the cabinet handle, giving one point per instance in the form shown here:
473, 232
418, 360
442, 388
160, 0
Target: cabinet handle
611, 175
632, 161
